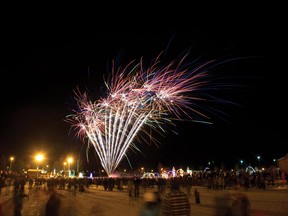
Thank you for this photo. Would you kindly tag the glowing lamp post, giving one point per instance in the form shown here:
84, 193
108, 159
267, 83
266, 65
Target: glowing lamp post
11, 162
64, 167
39, 158
258, 157
70, 160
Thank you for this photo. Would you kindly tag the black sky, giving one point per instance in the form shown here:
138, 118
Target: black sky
39, 74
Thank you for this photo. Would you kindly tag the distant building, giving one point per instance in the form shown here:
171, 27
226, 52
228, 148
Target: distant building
34, 173
283, 163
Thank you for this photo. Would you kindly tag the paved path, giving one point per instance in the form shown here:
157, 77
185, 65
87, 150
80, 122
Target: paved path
96, 201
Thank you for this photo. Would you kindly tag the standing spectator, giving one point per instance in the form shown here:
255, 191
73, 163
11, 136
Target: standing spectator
136, 185
240, 206
188, 183
2, 183
18, 195
53, 204
176, 202
152, 204
1, 212
197, 196
283, 176
130, 187
18, 202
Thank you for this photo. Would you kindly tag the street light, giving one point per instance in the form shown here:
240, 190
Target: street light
11, 161
39, 158
258, 157
64, 165
70, 160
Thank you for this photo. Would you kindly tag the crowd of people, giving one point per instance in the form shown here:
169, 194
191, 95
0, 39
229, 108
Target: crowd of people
171, 196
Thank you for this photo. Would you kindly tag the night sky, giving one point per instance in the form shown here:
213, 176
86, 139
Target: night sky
39, 74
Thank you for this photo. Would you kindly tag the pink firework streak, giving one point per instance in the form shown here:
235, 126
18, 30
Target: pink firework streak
137, 97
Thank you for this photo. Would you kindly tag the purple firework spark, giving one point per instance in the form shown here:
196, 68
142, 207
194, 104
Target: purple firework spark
137, 97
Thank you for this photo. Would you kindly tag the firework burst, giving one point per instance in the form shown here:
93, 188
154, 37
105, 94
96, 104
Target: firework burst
137, 98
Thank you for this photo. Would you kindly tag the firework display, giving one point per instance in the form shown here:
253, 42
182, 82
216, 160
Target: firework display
138, 98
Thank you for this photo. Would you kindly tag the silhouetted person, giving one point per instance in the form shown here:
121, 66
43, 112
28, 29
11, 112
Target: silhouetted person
197, 196
53, 205
176, 202
136, 185
1, 212
130, 187
18, 202
240, 206
152, 205
18, 195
